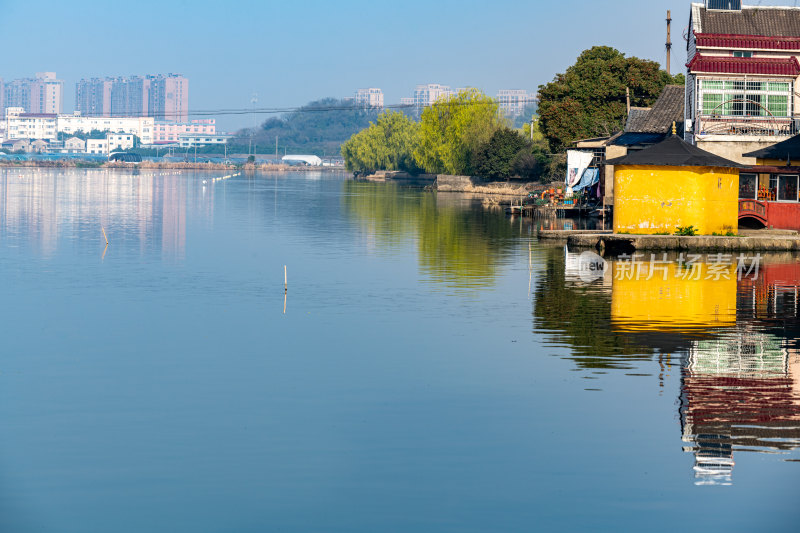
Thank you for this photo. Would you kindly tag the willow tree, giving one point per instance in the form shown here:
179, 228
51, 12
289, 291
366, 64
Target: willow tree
452, 130
386, 144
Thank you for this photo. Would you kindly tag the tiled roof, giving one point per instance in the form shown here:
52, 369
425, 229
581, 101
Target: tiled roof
673, 152
773, 21
634, 138
636, 118
745, 65
747, 42
659, 118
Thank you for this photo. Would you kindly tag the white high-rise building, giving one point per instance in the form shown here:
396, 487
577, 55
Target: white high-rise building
514, 101
426, 95
372, 97
42, 94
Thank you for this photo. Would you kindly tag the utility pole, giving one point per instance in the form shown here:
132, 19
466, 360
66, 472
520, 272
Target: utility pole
253, 101
628, 99
669, 41
276, 148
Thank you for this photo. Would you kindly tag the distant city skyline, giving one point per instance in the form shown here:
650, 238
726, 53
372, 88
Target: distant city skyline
163, 97
293, 53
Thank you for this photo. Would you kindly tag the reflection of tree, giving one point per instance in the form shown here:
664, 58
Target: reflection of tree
458, 245
581, 317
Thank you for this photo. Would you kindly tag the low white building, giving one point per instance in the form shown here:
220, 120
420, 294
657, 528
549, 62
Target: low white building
310, 160
22, 125
40, 146
142, 127
119, 141
16, 145
190, 140
96, 146
74, 145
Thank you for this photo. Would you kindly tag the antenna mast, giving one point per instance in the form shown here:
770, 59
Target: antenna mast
669, 41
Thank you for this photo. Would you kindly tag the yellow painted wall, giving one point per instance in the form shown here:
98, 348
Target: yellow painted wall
659, 199
680, 301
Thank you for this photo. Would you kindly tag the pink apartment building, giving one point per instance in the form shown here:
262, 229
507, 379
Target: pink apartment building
169, 132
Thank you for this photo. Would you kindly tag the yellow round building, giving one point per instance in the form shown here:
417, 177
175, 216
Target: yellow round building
675, 184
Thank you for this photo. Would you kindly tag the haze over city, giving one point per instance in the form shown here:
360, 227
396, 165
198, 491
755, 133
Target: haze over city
292, 53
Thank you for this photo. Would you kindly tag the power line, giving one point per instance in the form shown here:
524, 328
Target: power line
280, 110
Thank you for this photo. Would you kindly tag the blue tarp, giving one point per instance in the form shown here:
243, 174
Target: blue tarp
590, 177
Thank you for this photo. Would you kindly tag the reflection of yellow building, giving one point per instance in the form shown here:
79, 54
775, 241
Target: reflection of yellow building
672, 295
672, 184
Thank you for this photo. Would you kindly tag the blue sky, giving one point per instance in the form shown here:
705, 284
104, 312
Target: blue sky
291, 52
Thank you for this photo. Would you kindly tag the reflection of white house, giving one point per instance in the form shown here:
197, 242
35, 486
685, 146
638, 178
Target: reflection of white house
737, 393
310, 160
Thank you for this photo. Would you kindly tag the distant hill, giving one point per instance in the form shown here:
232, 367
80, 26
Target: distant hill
319, 127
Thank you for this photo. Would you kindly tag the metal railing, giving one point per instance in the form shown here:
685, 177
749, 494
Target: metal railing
744, 125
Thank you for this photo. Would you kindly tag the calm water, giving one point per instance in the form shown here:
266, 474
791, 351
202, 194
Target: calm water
428, 370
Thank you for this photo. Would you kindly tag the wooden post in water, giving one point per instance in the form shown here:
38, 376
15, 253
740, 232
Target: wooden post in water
285, 280
104, 234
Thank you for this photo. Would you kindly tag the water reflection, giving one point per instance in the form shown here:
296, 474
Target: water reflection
41, 208
735, 340
739, 391
460, 242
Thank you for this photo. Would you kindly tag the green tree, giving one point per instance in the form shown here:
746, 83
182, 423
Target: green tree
588, 100
494, 158
387, 144
319, 127
452, 129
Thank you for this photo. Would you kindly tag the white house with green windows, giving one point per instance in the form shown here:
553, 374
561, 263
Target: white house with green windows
741, 75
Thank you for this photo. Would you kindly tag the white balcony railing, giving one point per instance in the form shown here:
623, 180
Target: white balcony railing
744, 125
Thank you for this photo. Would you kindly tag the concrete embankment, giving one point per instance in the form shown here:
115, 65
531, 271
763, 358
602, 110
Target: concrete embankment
446, 183
402, 178
461, 184
563, 235
611, 244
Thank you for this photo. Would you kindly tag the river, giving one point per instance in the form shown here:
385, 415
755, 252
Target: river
431, 367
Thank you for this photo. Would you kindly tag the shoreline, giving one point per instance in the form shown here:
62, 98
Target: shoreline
174, 165
458, 184
615, 243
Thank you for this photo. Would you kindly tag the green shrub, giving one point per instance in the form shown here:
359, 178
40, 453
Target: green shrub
686, 231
